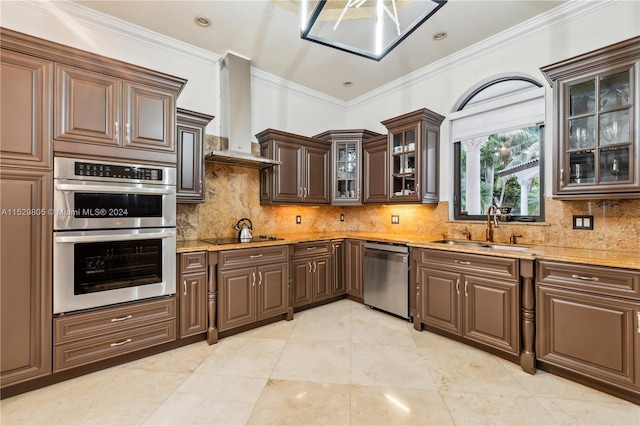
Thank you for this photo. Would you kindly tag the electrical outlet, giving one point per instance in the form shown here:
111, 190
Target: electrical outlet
583, 222
341, 217
395, 219
298, 219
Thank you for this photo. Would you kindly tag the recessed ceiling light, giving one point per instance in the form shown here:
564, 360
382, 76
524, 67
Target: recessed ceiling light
439, 36
347, 84
202, 21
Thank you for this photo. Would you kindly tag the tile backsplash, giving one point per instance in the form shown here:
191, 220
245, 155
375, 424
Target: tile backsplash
232, 193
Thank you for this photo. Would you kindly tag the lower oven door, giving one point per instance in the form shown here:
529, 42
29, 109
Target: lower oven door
105, 267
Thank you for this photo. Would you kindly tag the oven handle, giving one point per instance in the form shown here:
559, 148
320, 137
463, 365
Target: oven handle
111, 237
113, 189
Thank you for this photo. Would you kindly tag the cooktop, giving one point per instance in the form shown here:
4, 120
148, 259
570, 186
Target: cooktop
260, 238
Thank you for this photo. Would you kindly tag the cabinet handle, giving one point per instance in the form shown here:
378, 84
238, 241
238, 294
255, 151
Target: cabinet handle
315, 266
121, 318
184, 287
458, 286
124, 342
580, 277
461, 262
309, 266
638, 322
260, 278
199, 190
255, 256
466, 293
128, 131
561, 175
417, 189
312, 248
254, 279
117, 132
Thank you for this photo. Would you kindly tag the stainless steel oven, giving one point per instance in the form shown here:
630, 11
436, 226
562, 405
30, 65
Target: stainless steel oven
114, 233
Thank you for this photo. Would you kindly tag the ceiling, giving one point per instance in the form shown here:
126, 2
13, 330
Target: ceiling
268, 32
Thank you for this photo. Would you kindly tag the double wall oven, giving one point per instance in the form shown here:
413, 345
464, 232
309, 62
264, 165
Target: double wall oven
114, 233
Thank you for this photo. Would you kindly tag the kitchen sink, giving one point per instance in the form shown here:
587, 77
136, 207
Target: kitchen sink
483, 245
462, 243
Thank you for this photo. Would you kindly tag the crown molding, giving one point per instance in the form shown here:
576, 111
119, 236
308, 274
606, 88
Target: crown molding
82, 15
543, 22
282, 84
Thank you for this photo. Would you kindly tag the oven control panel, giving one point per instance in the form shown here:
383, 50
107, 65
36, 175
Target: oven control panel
117, 171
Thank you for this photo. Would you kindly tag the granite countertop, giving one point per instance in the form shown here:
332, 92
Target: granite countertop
618, 258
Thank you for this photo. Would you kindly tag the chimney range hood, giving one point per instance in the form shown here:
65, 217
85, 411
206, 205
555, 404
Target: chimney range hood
235, 113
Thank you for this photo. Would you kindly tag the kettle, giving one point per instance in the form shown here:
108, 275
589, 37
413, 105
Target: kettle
244, 232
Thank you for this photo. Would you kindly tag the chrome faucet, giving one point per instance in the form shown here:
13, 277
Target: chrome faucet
495, 222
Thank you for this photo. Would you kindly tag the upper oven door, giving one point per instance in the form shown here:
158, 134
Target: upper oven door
99, 205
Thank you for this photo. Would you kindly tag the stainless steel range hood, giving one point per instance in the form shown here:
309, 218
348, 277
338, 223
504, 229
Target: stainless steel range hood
235, 112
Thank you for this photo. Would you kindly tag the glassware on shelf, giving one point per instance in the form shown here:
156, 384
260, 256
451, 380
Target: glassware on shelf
614, 127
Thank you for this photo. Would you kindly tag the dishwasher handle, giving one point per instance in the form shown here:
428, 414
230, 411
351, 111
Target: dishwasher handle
386, 247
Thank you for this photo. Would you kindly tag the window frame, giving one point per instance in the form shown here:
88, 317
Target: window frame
457, 190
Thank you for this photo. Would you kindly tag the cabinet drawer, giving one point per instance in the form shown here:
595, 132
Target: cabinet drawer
496, 266
312, 248
596, 279
87, 351
193, 262
253, 256
90, 324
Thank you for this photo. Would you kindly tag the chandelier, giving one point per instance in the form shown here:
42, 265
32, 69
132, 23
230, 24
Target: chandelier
368, 28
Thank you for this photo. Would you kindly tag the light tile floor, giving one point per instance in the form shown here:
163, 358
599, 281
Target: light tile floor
338, 364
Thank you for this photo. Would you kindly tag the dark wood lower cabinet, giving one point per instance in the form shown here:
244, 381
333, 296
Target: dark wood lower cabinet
354, 268
586, 330
473, 297
191, 291
253, 284
25, 275
94, 336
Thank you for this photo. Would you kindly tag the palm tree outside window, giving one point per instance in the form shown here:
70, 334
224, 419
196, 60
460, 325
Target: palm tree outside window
498, 135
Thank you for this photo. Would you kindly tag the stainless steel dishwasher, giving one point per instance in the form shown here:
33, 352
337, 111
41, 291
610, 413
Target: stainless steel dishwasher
386, 277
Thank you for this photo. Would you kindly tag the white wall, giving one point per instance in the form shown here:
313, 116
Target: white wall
598, 24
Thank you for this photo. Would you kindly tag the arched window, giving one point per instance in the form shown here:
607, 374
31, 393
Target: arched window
497, 131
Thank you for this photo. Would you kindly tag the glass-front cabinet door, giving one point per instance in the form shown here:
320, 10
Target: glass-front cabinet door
346, 182
403, 164
413, 140
346, 165
597, 123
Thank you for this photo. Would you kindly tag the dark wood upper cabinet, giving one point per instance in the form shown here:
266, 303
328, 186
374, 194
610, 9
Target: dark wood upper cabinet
190, 166
101, 107
94, 108
88, 107
25, 119
596, 123
346, 164
413, 143
375, 170
303, 176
